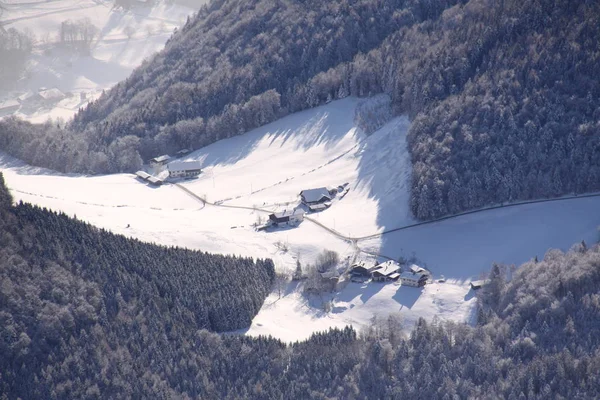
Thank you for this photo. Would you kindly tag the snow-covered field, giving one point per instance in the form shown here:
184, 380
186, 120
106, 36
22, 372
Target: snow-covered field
125, 39
267, 168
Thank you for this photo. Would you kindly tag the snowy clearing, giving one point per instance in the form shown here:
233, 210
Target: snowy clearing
267, 168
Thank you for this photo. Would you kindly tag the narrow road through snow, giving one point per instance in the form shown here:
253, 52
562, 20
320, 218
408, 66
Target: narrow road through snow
354, 240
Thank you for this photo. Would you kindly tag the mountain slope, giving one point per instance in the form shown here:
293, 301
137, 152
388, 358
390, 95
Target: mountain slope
76, 301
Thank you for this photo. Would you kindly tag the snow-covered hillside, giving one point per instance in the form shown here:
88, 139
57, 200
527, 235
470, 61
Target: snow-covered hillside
267, 168
125, 39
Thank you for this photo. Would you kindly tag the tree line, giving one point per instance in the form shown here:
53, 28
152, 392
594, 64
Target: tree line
111, 328
75, 299
503, 96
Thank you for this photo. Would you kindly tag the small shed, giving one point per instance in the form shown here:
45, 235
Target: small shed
142, 175
154, 181
160, 160
315, 196
294, 216
415, 280
184, 169
319, 207
183, 152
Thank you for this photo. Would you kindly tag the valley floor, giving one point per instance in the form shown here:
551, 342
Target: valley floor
267, 168
125, 38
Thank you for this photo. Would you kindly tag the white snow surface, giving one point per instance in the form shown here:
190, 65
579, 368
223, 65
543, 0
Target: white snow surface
114, 52
267, 168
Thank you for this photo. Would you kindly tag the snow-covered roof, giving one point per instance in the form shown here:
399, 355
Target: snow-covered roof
414, 268
51, 94
160, 159
413, 277
9, 104
154, 180
184, 166
387, 268
319, 207
289, 213
143, 174
315, 195
479, 283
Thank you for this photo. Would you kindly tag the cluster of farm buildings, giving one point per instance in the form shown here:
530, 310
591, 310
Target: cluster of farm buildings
175, 169
390, 271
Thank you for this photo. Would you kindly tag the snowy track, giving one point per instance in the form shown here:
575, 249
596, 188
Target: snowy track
263, 171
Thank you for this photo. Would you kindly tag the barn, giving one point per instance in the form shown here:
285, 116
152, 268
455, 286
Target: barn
184, 169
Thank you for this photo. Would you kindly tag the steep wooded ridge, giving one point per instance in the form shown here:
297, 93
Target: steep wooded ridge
69, 290
67, 331
504, 95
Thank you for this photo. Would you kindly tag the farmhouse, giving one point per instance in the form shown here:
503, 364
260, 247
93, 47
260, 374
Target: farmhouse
410, 279
361, 269
386, 271
287, 217
315, 196
160, 161
184, 169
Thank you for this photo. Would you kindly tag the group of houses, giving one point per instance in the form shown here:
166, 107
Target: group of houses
391, 271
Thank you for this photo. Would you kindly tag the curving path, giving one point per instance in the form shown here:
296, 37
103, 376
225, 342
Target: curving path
354, 240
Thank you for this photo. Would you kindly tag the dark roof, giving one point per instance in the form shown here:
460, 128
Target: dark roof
285, 215
317, 195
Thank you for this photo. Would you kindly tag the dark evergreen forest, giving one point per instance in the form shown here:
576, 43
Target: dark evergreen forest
503, 94
87, 314
82, 307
